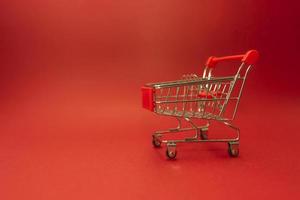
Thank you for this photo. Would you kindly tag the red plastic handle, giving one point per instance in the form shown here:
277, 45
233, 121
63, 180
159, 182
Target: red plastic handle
250, 58
147, 98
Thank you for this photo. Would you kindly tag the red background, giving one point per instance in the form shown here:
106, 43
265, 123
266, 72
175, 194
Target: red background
72, 126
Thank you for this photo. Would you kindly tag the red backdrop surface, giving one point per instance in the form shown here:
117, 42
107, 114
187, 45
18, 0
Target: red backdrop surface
72, 126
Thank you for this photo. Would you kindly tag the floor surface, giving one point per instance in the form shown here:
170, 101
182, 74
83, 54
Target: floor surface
80, 149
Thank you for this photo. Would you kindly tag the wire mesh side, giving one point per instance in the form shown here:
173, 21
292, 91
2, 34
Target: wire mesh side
204, 99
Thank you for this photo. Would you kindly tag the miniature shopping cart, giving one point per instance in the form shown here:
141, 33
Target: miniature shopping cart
208, 98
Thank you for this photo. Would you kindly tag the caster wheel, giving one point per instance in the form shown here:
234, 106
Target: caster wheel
171, 151
171, 154
233, 149
203, 135
156, 142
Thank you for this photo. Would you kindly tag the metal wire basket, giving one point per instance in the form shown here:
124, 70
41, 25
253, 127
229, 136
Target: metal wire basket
206, 97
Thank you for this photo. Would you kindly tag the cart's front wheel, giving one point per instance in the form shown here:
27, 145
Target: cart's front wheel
171, 154
233, 149
171, 151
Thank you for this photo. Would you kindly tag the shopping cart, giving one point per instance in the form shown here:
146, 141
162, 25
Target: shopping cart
207, 98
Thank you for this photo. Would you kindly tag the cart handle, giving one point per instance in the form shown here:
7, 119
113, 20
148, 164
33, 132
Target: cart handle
250, 58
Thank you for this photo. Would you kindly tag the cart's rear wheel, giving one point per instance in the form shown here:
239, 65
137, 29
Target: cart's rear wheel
204, 133
156, 142
233, 149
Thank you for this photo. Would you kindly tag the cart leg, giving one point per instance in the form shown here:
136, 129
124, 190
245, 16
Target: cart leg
157, 136
193, 127
201, 132
171, 130
233, 145
236, 129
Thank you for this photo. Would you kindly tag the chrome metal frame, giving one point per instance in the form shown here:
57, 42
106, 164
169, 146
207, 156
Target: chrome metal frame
181, 99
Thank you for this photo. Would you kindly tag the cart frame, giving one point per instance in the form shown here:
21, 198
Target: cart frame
205, 98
